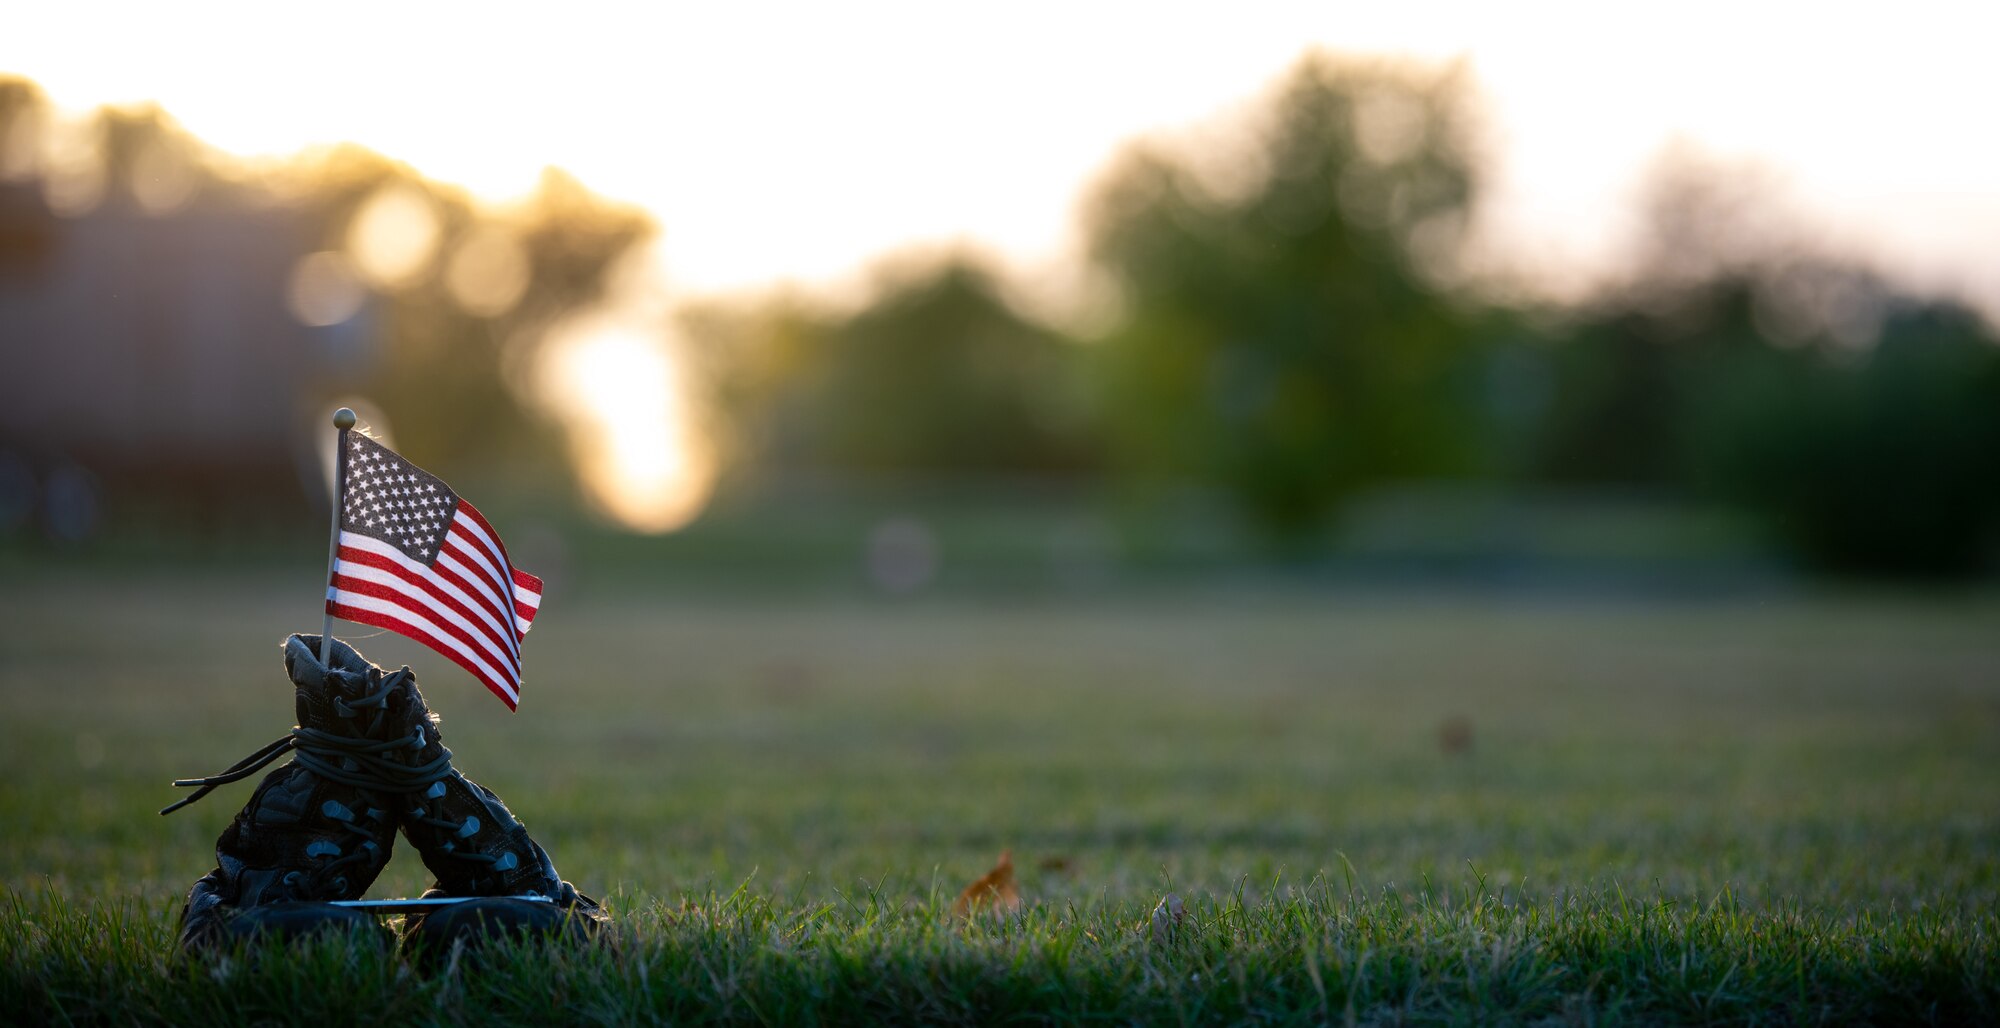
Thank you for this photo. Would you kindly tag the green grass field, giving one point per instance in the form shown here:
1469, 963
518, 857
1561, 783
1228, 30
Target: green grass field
1780, 809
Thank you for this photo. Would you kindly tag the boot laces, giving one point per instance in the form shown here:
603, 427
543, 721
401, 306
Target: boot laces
360, 760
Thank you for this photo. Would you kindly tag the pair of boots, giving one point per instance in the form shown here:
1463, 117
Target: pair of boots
367, 760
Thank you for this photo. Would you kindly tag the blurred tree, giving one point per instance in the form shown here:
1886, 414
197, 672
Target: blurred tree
741, 354
1628, 375
27, 227
937, 376
1288, 334
1631, 365
21, 103
1737, 363
1881, 462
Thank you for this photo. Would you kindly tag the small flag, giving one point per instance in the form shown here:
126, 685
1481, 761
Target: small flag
417, 560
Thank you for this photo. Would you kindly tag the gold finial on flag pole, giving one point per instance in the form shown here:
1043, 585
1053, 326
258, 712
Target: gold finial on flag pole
343, 419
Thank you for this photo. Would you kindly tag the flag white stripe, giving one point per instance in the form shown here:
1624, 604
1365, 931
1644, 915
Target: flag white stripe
364, 573
529, 598
490, 606
385, 550
416, 617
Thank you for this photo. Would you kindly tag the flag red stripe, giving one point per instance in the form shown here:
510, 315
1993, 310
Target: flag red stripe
426, 632
495, 634
475, 562
484, 544
347, 586
409, 611
406, 628
448, 568
464, 574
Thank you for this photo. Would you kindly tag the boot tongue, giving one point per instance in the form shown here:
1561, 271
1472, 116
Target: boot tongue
303, 664
318, 685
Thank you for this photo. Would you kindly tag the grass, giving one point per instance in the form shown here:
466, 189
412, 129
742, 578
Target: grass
1778, 809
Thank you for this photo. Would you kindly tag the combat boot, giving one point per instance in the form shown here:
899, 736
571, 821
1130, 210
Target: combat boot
316, 830
477, 848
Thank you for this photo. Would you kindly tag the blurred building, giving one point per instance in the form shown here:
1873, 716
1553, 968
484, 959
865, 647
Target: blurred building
156, 355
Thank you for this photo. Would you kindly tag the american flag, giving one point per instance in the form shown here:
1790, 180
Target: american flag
417, 560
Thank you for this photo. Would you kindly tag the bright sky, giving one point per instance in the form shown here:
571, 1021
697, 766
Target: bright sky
803, 140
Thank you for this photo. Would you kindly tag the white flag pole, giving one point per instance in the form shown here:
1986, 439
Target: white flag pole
343, 419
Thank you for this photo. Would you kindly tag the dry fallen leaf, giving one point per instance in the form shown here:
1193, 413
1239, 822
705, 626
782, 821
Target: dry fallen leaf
1455, 735
1167, 918
994, 889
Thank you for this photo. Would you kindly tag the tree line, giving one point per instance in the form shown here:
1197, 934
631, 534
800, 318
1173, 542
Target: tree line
1293, 329
1289, 326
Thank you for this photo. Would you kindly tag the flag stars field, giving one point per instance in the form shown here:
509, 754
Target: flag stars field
415, 558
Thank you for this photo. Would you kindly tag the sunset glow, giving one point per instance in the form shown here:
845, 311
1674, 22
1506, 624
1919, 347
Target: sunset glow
799, 141
618, 390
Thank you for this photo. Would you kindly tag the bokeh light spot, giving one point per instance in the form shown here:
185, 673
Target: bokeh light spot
394, 235
1388, 125
162, 180
902, 555
73, 171
488, 272
19, 140
324, 289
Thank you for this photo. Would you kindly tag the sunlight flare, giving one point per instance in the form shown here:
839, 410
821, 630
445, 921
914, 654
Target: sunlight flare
618, 389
